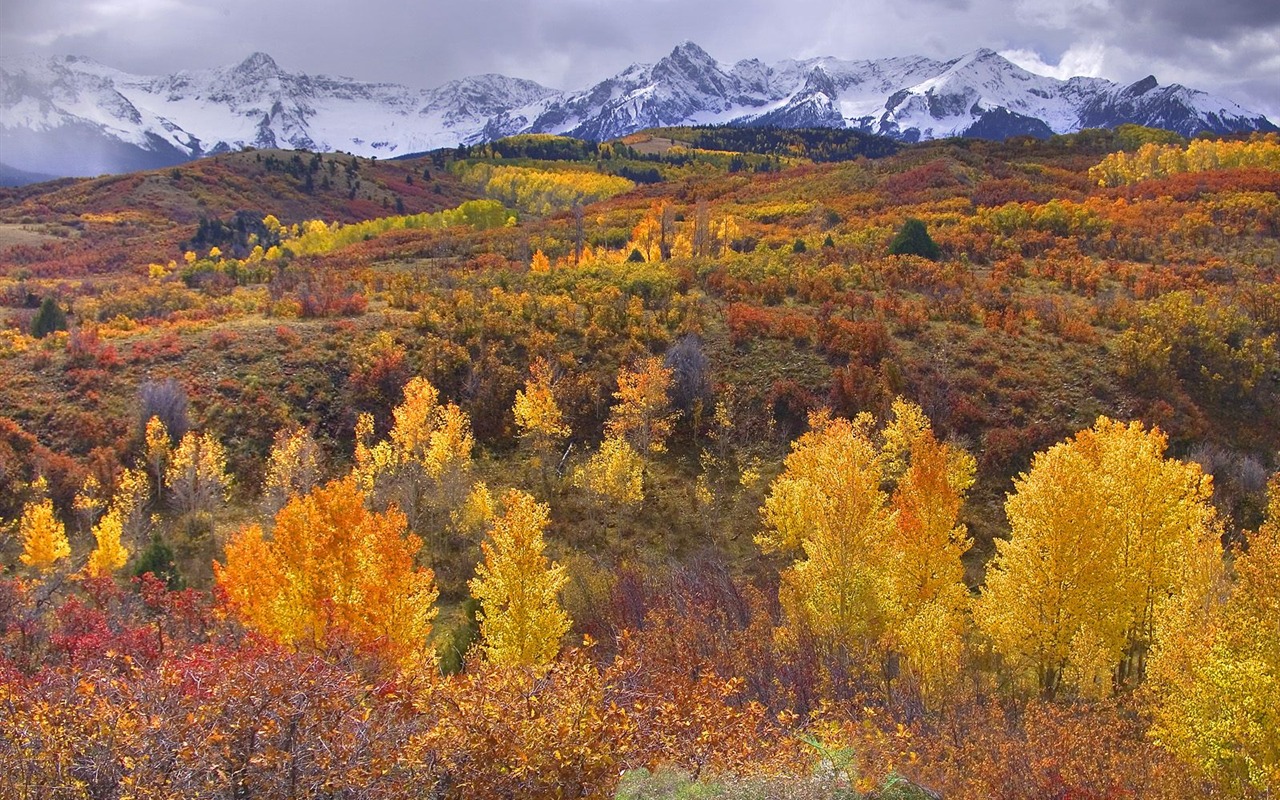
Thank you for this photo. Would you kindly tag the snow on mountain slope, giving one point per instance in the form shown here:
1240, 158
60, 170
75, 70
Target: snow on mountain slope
254, 103
73, 116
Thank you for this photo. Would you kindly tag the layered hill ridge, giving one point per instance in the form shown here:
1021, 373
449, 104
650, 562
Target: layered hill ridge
69, 115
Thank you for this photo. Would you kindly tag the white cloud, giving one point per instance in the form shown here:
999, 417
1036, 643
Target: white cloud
1083, 59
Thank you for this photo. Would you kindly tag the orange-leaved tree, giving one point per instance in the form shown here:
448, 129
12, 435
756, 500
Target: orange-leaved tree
332, 567
643, 413
925, 565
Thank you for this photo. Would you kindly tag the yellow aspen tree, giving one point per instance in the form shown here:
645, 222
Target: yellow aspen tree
157, 444
642, 414
521, 619
110, 554
371, 459
1054, 580
1165, 530
540, 265
450, 444
475, 513
133, 490
538, 415
1214, 676
197, 476
44, 537
90, 501
1106, 534
614, 474
292, 469
424, 467
125, 520
333, 567
828, 505
906, 427
415, 419
926, 570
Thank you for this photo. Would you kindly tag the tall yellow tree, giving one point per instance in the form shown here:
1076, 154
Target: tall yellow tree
876, 573
1106, 534
125, 519
110, 554
90, 501
521, 619
1215, 675
828, 504
424, 466
538, 415
642, 414
293, 467
158, 446
332, 567
44, 537
926, 567
196, 475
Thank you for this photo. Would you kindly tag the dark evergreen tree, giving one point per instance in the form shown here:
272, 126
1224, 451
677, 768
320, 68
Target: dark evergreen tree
48, 319
914, 240
158, 560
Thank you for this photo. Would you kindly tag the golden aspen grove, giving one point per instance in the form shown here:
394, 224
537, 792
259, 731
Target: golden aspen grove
661, 467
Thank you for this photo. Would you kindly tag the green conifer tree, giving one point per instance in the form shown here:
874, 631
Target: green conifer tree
48, 319
914, 240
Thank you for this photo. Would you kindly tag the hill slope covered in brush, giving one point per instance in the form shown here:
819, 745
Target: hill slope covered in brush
779, 423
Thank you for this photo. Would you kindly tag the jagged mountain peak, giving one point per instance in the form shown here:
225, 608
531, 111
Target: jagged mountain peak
258, 62
986, 54
258, 70
54, 108
690, 51
1142, 87
689, 63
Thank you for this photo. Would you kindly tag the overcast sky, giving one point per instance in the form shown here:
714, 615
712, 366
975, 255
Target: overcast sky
1228, 47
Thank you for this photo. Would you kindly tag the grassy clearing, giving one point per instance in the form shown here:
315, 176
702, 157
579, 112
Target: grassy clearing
12, 235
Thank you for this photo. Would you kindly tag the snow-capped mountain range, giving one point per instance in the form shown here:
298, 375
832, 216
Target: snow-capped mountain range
73, 116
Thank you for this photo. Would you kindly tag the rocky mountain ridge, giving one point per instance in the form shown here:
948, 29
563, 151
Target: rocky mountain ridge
73, 116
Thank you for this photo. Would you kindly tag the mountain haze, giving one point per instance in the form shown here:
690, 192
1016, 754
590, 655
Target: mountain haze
73, 116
